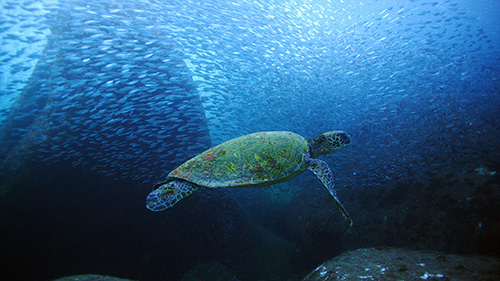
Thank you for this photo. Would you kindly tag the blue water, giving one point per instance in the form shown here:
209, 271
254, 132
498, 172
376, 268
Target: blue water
99, 100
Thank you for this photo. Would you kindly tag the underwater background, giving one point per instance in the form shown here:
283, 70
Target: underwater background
100, 100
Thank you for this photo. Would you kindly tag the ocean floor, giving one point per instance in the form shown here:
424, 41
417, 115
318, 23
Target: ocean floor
382, 263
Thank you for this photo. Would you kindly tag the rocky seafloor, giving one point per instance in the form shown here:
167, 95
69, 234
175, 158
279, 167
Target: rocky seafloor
364, 264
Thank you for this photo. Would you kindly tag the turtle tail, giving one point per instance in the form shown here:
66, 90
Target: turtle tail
168, 194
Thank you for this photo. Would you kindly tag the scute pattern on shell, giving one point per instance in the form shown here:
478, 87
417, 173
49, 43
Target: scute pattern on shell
257, 159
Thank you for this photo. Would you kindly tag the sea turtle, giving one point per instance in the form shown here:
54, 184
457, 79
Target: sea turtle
257, 159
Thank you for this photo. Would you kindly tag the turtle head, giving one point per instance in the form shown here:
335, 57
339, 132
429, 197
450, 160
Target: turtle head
328, 142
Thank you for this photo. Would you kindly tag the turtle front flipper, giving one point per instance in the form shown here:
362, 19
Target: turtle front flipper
322, 171
168, 194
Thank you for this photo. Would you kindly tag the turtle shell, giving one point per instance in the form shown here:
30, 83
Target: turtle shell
257, 159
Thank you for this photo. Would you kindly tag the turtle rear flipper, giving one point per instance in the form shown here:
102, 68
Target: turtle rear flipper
322, 171
168, 194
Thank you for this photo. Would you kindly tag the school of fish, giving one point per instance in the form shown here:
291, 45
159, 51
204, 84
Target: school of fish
131, 89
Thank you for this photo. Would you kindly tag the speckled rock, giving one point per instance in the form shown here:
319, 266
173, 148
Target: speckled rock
399, 264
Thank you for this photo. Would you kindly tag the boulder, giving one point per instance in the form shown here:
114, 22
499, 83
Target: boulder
399, 264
